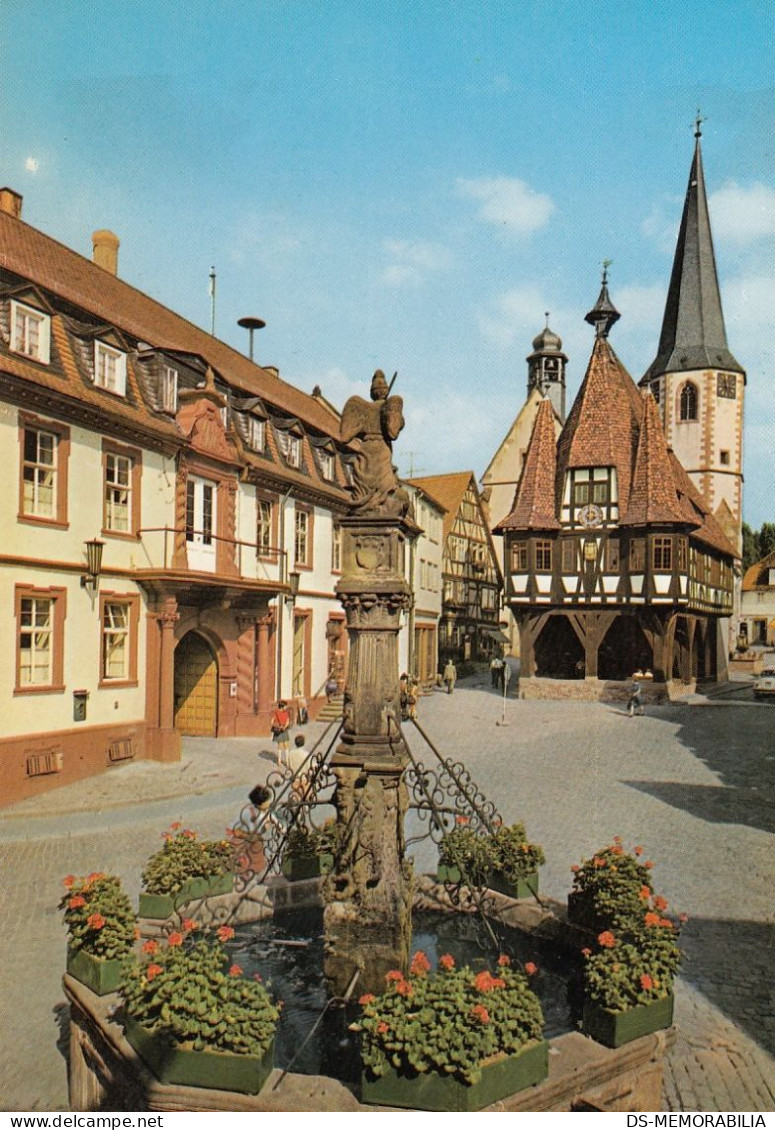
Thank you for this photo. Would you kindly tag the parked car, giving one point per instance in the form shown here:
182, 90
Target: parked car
764, 684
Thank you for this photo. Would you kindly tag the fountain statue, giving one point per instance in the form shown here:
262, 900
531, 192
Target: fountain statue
367, 915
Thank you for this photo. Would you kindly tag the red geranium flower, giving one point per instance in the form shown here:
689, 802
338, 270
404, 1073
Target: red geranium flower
188, 924
394, 975
225, 933
447, 961
645, 893
652, 919
504, 959
68, 881
530, 968
479, 1012
420, 964
484, 982
586, 951
152, 970
404, 988
174, 827
367, 998
648, 864
638, 850
76, 901
462, 820
175, 939
606, 940
235, 970
660, 903
150, 946
95, 921
646, 982
575, 868
382, 1028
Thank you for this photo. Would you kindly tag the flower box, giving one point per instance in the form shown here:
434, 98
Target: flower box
309, 867
100, 974
162, 906
432, 1091
524, 888
223, 1071
616, 1028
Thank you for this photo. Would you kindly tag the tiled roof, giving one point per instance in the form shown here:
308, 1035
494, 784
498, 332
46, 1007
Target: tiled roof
757, 576
696, 510
534, 500
59, 270
693, 334
601, 429
448, 490
653, 495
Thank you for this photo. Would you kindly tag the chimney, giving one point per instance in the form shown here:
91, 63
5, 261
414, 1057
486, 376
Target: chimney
106, 246
11, 203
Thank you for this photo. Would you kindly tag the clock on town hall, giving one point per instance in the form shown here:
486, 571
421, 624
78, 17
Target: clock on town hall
589, 516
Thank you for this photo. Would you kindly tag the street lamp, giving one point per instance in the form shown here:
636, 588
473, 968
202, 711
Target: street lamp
294, 580
91, 578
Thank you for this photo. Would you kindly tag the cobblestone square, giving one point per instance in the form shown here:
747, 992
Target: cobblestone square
693, 783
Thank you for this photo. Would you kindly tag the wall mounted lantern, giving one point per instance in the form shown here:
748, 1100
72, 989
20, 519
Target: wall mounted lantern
294, 580
91, 578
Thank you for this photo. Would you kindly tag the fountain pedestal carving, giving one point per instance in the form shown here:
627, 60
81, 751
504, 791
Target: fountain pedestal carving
368, 897
367, 916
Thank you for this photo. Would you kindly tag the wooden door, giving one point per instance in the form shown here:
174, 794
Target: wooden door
196, 687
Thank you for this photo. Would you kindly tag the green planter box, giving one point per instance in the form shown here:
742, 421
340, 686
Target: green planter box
523, 889
222, 1071
432, 1091
616, 1028
101, 975
162, 906
294, 868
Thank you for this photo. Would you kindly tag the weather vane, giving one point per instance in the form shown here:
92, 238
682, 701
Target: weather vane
606, 264
698, 124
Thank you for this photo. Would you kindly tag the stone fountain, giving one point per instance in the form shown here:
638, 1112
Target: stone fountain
367, 916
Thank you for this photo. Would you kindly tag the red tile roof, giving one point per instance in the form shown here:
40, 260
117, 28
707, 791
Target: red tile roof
653, 496
447, 490
757, 576
57, 269
534, 500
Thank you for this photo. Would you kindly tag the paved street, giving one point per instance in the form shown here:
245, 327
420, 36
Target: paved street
692, 782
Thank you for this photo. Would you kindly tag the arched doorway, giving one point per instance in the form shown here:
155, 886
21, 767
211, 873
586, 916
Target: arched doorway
558, 653
624, 650
196, 687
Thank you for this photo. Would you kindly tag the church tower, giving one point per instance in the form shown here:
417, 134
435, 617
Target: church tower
696, 381
546, 369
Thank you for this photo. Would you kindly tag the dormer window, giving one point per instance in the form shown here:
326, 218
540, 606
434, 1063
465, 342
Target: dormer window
30, 332
326, 465
109, 368
290, 445
256, 430
169, 389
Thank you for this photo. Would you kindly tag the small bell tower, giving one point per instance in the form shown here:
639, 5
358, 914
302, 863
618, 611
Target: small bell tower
546, 368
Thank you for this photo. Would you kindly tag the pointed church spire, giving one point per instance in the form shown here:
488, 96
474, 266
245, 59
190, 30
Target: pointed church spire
603, 314
693, 335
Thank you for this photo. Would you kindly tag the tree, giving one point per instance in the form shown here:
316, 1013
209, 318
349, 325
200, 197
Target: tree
750, 546
766, 539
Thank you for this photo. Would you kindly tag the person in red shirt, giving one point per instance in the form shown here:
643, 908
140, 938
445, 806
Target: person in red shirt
281, 732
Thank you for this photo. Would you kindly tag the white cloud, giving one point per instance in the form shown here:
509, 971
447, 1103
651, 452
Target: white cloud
32, 164
641, 306
414, 260
748, 307
508, 203
742, 215
661, 224
517, 315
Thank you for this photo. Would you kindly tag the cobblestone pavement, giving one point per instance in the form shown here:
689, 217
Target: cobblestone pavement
691, 782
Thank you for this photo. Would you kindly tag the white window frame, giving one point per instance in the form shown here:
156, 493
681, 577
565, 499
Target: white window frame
256, 433
112, 381
40, 470
20, 336
263, 526
116, 627
118, 494
301, 543
290, 445
169, 389
39, 611
326, 465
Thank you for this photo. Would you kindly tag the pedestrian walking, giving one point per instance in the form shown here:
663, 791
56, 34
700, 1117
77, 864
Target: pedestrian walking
496, 667
332, 686
302, 712
635, 705
450, 676
281, 731
299, 767
412, 697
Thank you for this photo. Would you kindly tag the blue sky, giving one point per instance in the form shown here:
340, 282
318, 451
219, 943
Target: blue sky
408, 185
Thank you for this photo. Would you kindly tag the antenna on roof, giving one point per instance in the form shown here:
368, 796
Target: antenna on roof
212, 301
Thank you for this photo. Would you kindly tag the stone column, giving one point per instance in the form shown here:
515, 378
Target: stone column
264, 661
169, 739
367, 917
